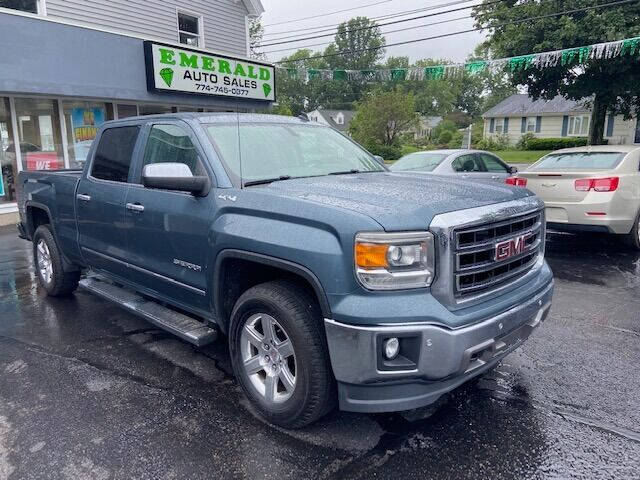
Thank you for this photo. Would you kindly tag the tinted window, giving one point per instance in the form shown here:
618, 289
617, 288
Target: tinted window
171, 144
421, 162
114, 152
579, 161
465, 164
492, 164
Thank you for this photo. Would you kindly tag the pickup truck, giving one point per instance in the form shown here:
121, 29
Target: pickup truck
334, 279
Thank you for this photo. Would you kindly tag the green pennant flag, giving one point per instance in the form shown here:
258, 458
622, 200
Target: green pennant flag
630, 46
313, 73
520, 63
475, 67
570, 55
434, 73
398, 74
339, 74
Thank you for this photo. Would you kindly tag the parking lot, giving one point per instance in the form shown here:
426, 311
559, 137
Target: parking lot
89, 391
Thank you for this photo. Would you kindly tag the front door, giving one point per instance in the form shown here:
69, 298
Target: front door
468, 166
168, 238
100, 201
493, 168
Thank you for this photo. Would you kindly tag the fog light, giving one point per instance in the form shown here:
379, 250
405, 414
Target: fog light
391, 348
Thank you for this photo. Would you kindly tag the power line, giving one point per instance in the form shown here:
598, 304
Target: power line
444, 35
330, 13
449, 20
383, 24
404, 13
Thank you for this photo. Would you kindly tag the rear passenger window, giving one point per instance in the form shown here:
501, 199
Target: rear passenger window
113, 155
172, 144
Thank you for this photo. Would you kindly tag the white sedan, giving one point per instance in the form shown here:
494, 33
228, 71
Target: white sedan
589, 188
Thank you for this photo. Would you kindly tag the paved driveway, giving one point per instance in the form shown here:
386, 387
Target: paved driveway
88, 391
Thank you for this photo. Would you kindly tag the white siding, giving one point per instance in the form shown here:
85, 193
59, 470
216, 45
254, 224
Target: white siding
224, 20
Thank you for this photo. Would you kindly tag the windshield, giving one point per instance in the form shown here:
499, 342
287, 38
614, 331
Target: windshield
579, 161
270, 151
419, 161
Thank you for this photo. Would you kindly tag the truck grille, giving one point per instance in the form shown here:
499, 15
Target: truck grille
494, 254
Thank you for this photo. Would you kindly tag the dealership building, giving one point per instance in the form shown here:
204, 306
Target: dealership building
67, 67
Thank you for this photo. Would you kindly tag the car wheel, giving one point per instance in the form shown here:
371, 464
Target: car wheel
279, 354
632, 238
48, 263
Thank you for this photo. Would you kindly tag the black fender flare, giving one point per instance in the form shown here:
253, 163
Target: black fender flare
267, 260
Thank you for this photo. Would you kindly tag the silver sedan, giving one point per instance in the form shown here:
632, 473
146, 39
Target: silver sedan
472, 164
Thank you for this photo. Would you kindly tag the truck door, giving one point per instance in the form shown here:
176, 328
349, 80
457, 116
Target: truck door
100, 201
168, 239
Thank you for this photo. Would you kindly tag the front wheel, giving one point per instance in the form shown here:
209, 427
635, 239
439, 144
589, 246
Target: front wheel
48, 262
279, 354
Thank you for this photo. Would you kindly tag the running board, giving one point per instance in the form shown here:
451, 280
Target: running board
184, 326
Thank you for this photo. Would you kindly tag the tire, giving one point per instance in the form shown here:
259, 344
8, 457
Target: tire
290, 384
48, 262
632, 239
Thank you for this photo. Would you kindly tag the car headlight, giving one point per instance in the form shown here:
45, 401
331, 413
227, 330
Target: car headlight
394, 261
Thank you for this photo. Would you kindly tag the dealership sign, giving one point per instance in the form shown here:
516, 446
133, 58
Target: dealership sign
181, 70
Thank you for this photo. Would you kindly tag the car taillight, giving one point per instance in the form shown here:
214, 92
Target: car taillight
516, 181
609, 184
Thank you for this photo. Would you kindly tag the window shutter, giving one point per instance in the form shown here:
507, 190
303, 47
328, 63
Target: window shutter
505, 129
610, 125
492, 125
565, 125
538, 124
523, 125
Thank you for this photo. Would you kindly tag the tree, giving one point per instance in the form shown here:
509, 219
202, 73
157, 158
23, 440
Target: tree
383, 116
256, 31
357, 45
609, 85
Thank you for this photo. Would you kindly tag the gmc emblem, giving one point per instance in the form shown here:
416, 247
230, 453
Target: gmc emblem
512, 247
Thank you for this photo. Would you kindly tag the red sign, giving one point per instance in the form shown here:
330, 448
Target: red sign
44, 161
512, 247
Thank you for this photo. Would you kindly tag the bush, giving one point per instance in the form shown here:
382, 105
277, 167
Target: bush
523, 143
388, 152
501, 142
555, 143
445, 137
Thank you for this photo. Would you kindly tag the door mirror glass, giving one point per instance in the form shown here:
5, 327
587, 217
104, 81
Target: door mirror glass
174, 176
513, 170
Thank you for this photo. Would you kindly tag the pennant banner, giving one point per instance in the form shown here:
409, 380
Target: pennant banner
565, 57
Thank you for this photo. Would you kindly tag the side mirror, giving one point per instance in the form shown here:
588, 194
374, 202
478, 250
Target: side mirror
379, 159
513, 170
174, 176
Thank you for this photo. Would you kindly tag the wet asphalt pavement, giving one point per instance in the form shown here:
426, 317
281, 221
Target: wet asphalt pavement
89, 391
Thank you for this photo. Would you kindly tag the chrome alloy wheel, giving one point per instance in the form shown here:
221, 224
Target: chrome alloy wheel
45, 265
268, 357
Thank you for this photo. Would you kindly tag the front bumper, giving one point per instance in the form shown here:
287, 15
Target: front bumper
436, 359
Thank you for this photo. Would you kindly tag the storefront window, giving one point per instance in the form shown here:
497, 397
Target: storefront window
22, 5
82, 120
154, 109
39, 134
8, 165
125, 111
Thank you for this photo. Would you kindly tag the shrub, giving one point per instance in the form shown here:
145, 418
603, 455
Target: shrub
523, 143
388, 152
445, 137
500, 142
555, 143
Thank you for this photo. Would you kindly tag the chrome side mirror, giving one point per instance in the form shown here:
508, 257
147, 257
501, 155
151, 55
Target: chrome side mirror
174, 176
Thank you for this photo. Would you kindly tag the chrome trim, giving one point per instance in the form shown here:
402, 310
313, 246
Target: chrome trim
445, 227
149, 272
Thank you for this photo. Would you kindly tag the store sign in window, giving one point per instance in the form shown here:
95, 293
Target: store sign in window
171, 69
85, 122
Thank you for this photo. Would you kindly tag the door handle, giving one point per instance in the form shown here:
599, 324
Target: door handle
495, 177
135, 207
83, 197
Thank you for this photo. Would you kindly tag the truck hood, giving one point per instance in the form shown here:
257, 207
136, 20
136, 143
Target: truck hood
397, 201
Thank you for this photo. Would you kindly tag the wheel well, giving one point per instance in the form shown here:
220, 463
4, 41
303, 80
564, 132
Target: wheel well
35, 217
237, 275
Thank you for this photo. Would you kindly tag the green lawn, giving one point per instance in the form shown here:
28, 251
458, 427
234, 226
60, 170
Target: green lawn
520, 156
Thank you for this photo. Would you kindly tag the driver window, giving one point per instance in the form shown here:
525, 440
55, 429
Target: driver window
492, 164
464, 164
171, 144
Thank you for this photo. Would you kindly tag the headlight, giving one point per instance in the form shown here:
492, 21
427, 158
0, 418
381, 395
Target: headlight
394, 261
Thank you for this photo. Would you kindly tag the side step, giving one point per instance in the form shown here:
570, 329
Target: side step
184, 326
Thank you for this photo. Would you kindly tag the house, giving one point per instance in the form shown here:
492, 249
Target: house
67, 67
559, 117
338, 119
425, 126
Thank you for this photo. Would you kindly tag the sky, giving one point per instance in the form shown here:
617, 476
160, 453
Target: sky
455, 48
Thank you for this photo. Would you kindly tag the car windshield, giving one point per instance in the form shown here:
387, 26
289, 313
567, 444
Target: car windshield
419, 161
254, 152
579, 161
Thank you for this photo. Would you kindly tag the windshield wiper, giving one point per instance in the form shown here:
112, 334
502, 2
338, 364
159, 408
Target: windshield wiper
265, 181
346, 172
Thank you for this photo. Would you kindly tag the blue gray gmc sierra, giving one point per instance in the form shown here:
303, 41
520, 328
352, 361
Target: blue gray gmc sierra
334, 279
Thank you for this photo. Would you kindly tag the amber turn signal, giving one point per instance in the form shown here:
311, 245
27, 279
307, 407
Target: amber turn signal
371, 255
